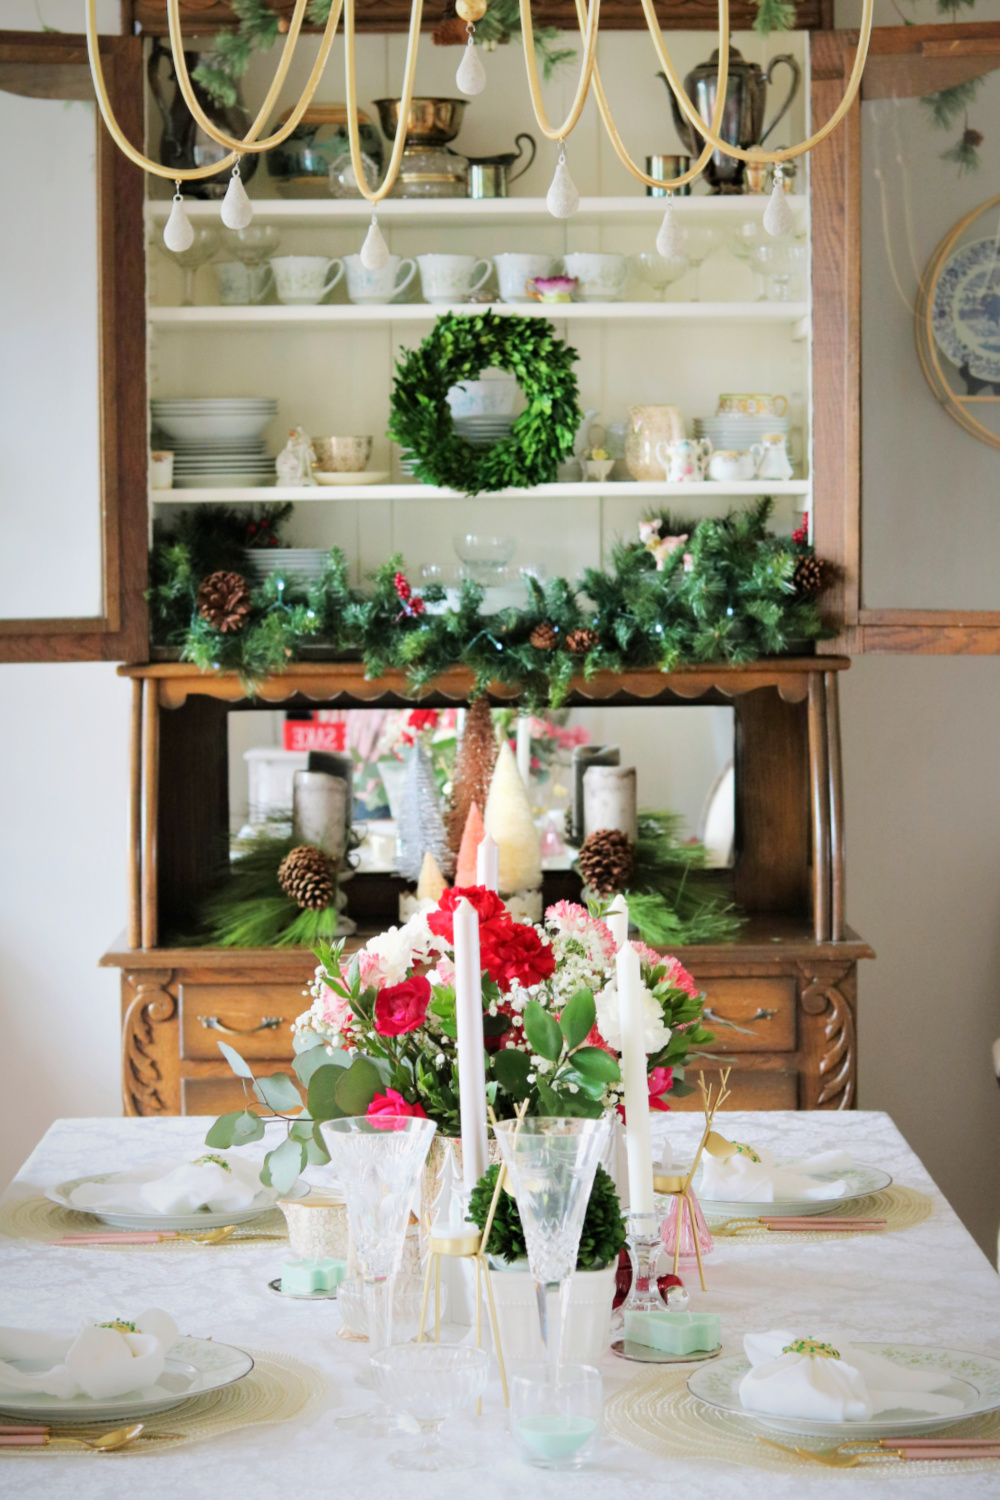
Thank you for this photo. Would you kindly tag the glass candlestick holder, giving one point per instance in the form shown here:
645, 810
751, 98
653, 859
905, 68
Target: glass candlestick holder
645, 1245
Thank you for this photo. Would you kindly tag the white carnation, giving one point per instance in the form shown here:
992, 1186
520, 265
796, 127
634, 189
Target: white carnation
655, 1034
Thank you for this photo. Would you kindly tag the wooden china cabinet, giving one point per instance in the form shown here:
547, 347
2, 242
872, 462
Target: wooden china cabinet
789, 984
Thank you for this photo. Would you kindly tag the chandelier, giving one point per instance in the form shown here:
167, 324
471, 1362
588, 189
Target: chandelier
562, 199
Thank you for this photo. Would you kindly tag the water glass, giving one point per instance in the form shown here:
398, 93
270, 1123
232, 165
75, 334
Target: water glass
556, 1414
428, 1383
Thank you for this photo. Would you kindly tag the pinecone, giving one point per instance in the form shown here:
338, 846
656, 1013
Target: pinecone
306, 875
544, 637
224, 601
605, 861
809, 577
450, 33
581, 641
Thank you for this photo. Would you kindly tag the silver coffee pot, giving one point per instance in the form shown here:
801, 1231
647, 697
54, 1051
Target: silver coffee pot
743, 116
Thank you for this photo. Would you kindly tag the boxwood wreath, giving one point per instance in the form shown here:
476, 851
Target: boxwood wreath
457, 349
601, 1238
733, 593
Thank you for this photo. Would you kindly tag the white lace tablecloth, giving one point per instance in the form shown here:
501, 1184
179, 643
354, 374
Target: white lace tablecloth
927, 1284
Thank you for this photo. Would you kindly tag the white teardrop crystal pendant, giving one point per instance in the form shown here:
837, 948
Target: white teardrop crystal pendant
562, 199
237, 210
778, 217
374, 251
177, 232
471, 76
670, 236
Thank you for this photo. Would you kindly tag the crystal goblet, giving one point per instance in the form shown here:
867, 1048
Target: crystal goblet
699, 243
198, 253
484, 556
744, 243
253, 245
660, 271
551, 1163
777, 264
427, 1383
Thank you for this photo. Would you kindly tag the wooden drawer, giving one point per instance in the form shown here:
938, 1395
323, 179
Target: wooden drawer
763, 1006
220, 1096
762, 1088
254, 1018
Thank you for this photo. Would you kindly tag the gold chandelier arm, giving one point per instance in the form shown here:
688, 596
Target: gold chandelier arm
249, 143
172, 174
586, 70
755, 154
375, 195
673, 183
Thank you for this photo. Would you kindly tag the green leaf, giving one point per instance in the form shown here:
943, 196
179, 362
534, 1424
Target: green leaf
278, 1092
542, 1030
222, 1132
578, 1017
235, 1061
285, 1163
358, 1087
549, 1102
594, 1062
511, 1069
321, 1099
309, 1135
249, 1127
306, 1063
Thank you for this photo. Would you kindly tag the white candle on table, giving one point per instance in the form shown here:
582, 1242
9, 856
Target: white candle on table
637, 1137
523, 753
488, 863
617, 920
471, 1061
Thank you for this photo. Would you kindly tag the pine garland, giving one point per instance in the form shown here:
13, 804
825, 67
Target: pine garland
250, 909
948, 105
737, 603
672, 898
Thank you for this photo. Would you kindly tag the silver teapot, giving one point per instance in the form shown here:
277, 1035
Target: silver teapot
743, 117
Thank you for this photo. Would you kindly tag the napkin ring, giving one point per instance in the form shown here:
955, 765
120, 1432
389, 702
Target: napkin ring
747, 1151
811, 1346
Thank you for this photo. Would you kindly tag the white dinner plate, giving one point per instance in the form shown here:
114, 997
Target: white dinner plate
204, 1218
861, 1180
974, 1379
193, 1367
368, 476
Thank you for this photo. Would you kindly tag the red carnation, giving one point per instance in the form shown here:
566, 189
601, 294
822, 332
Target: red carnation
487, 903
515, 951
390, 1106
402, 1007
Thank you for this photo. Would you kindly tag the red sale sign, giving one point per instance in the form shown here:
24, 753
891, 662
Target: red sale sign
307, 734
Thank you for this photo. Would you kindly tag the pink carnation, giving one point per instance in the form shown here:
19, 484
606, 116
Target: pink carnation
369, 968
648, 955
679, 977
576, 921
334, 1010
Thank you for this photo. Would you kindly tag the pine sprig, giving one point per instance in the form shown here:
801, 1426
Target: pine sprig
250, 910
774, 15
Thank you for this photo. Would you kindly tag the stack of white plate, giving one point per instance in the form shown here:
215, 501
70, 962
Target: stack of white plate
737, 432
305, 563
215, 418
482, 431
217, 463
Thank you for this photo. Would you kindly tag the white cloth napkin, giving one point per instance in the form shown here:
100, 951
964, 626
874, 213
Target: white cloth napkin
853, 1388
740, 1179
219, 1181
96, 1362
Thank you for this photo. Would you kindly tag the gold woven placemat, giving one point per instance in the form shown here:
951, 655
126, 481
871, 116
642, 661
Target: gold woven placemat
38, 1219
279, 1388
902, 1207
657, 1413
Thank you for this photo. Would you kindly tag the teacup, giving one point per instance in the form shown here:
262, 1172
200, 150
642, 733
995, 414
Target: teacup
370, 287
514, 270
550, 288
342, 455
684, 459
494, 394
239, 285
304, 280
731, 405
730, 465
451, 278
601, 277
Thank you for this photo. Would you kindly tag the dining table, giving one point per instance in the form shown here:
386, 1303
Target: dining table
928, 1283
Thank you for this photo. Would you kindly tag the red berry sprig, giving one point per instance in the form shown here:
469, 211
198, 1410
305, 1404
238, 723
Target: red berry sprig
412, 606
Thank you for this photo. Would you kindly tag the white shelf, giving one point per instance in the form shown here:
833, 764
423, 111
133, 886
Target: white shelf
450, 211
178, 318
647, 489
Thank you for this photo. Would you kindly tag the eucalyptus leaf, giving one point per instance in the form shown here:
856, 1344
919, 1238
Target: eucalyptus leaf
306, 1063
235, 1061
222, 1132
542, 1030
285, 1163
321, 1099
578, 1017
249, 1127
278, 1092
358, 1087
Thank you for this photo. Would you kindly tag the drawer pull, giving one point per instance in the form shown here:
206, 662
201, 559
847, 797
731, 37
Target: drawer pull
761, 1015
266, 1023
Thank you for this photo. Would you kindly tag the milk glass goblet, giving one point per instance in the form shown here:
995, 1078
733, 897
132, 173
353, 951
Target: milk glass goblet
551, 1163
198, 253
778, 263
660, 271
699, 242
427, 1383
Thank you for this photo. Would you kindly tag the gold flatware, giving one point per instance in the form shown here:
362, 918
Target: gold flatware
836, 1458
153, 1237
108, 1442
733, 1227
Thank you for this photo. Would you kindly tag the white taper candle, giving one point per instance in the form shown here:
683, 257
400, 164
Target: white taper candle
523, 753
471, 1059
637, 1137
488, 863
617, 920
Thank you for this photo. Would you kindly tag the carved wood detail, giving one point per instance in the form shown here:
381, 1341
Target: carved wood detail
149, 1044
828, 1040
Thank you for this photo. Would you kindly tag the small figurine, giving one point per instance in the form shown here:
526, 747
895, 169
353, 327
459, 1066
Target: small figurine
294, 462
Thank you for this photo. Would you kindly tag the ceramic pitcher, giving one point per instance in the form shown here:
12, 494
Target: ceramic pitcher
683, 461
772, 457
647, 427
